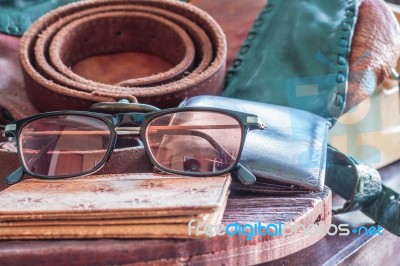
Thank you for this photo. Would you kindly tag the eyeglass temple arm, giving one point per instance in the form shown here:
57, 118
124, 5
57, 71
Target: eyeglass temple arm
244, 175
241, 172
196, 133
15, 176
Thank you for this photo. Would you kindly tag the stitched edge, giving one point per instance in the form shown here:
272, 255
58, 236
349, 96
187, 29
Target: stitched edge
345, 32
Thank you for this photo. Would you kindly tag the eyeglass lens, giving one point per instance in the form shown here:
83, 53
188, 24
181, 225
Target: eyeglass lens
195, 141
64, 145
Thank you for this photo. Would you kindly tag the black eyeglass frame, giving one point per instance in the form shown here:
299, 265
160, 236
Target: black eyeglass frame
246, 121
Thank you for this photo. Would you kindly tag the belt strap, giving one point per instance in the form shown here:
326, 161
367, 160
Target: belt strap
360, 185
385, 210
181, 34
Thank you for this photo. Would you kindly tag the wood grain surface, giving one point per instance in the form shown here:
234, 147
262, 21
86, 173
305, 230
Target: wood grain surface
352, 249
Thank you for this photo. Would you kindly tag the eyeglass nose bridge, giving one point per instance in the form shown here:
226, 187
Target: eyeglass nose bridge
129, 118
123, 106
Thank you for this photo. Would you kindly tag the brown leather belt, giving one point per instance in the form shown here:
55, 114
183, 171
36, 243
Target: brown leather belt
179, 33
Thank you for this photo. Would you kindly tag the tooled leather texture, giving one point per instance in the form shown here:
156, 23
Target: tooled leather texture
291, 150
169, 29
369, 185
117, 206
374, 51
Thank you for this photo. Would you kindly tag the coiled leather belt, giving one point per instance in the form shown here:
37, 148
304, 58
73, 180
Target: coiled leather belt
179, 33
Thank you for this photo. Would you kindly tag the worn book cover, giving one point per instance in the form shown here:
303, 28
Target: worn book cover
123, 206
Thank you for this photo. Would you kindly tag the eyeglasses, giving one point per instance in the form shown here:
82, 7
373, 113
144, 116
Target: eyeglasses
190, 141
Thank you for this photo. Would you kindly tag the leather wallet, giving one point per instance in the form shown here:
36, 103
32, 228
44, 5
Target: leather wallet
289, 155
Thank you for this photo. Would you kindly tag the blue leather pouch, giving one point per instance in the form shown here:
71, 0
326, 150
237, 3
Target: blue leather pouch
291, 151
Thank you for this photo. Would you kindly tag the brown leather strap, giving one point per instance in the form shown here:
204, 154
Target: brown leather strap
181, 34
